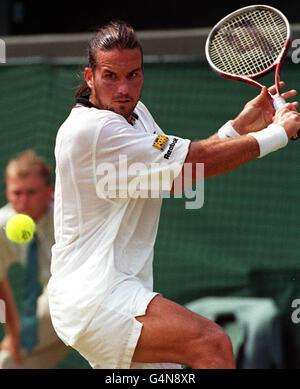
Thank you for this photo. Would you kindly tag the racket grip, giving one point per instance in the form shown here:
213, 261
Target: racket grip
278, 102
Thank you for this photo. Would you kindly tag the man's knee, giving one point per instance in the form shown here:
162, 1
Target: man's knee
221, 342
212, 348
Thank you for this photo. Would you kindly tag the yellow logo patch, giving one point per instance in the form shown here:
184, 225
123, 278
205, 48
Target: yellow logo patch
161, 142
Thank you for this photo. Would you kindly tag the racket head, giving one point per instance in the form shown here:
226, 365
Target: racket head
248, 43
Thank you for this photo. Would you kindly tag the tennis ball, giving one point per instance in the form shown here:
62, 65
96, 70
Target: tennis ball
20, 228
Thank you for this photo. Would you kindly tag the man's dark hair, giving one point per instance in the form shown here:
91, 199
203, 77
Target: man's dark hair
114, 35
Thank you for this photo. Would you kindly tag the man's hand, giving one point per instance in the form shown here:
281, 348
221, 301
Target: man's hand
258, 113
288, 118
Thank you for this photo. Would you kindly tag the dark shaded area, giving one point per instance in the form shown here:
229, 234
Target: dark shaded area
32, 17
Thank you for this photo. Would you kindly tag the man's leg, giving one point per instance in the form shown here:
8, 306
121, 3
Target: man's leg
172, 333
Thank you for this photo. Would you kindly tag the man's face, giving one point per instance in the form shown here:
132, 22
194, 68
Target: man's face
29, 195
116, 83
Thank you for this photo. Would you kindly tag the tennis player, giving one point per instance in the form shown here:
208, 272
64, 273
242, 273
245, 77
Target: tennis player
101, 294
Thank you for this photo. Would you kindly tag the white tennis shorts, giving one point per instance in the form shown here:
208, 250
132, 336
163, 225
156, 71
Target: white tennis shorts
111, 337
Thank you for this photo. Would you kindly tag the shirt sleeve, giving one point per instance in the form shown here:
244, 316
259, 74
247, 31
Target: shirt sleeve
131, 161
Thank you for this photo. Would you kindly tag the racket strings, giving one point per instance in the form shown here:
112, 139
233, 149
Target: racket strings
248, 43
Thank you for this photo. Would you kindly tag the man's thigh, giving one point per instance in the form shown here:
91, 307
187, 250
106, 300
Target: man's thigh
168, 331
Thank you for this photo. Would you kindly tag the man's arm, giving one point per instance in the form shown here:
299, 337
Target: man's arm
257, 113
12, 322
220, 156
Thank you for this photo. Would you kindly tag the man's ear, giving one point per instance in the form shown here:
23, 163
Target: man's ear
88, 76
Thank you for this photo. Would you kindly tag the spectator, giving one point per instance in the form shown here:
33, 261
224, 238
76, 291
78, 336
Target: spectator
28, 190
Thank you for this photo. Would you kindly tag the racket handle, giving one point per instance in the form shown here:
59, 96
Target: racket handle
279, 102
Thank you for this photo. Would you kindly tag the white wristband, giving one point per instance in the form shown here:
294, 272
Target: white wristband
227, 131
270, 139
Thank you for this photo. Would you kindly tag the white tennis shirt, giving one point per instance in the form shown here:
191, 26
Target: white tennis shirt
105, 226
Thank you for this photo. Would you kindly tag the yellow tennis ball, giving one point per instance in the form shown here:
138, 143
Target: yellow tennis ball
20, 228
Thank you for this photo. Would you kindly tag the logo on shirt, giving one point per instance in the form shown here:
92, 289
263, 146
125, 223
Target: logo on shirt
161, 142
171, 147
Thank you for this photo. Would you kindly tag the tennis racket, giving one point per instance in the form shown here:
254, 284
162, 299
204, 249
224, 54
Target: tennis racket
248, 44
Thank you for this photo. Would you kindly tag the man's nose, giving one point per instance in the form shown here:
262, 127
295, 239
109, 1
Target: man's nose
123, 87
23, 201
